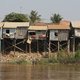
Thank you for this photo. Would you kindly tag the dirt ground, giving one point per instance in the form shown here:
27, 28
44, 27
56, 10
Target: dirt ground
11, 57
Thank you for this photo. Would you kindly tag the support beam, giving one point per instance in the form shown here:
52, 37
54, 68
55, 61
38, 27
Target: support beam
73, 44
49, 46
29, 48
26, 47
14, 45
37, 47
58, 46
68, 46
44, 45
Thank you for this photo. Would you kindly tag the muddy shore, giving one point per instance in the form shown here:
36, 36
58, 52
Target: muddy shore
11, 57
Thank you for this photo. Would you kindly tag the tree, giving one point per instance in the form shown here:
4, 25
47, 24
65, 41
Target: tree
56, 18
16, 17
34, 17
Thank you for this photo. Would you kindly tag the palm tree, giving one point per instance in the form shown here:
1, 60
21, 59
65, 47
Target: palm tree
34, 17
56, 18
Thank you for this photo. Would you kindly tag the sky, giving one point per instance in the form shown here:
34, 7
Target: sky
68, 9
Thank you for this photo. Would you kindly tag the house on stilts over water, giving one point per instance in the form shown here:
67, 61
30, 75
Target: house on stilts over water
13, 36
75, 39
37, 36
59, 36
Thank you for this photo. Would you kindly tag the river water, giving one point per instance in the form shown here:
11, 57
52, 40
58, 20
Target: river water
39, 72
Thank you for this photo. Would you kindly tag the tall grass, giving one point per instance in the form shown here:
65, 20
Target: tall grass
61, 57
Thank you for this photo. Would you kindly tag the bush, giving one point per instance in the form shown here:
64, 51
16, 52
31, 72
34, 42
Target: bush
77, 55
65, 57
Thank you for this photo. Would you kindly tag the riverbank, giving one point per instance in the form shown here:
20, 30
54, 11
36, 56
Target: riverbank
37, 58
19, 57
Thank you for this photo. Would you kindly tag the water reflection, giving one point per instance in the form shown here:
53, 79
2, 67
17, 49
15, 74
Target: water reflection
39, 72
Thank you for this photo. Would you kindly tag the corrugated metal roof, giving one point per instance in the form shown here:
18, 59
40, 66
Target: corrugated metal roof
37, 28
61, 25
75, 24
14, 24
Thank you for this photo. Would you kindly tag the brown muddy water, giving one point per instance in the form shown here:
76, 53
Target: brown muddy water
39, 72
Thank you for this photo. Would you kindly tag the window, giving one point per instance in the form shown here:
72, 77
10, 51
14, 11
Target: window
8, 31
56, 34
32, 33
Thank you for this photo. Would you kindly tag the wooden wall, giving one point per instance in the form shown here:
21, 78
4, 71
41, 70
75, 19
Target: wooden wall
59, 35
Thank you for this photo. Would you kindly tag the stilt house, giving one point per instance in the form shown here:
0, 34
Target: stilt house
58, 34
16, 30
38, 34
13, 33
76, 35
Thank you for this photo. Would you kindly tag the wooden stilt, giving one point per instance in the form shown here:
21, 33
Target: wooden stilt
68, 46
74, 44
37, 47
29, 48
26, 47
14, 42
14, 45
58, 46
3, 46
44, 45
49, 47
2, 40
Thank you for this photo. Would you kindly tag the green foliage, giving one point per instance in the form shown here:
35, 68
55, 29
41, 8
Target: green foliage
61, 57
21, 61
64, 57
51, 60
34, 17
56, 18
77, 55
16, 17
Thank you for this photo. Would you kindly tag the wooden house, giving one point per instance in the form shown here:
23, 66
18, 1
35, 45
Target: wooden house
76, 27
16, 30
59, 32
37, 33
76, 35
37, 30
13, 33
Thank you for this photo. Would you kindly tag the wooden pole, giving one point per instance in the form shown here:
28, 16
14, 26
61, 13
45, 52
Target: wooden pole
26, 47
49, 45
58, 42
73, 44
68, 46
3, 46
29, 48
58, 46
2, 40
14, 43
14, 46
37, 46
44, 45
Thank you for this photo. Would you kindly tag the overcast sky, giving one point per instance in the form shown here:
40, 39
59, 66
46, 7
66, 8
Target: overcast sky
68, 9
